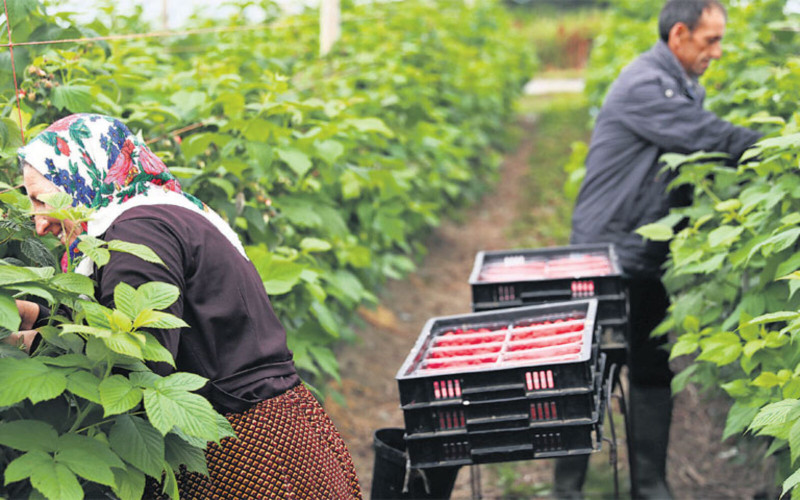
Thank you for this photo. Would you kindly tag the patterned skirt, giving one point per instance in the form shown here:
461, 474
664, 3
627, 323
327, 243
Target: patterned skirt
288, 448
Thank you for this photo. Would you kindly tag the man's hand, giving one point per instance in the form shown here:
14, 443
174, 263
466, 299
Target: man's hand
28, 312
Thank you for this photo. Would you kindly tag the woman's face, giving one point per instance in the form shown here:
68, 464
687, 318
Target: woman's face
36, 185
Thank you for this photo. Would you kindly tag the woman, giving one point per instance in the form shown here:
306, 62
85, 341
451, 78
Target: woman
287, 446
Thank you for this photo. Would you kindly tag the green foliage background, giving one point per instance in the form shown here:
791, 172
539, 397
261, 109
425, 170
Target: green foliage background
332, 169
733, 272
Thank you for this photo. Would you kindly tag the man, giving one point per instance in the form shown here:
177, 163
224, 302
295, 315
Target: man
654, 107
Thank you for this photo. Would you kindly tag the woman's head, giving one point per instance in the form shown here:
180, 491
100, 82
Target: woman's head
97, 160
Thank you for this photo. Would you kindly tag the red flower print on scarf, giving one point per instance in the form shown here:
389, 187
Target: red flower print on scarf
62, 146
172, 185
151, 163
123, 169
63, 124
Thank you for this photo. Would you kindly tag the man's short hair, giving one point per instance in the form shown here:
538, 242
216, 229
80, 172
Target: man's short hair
687, 12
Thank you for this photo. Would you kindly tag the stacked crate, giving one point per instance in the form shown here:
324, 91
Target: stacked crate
514, 278
504, 385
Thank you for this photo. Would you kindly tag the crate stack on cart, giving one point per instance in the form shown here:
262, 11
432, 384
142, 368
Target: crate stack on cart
504, 385
514, 278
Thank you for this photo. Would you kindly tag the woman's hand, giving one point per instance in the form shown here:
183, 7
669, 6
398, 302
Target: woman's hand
28, 312
22, 339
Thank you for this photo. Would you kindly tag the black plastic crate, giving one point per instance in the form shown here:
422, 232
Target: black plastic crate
520, 281
513, 413
503, 379
467, 448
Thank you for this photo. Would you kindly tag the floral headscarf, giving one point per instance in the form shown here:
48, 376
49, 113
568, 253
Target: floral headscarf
102, 165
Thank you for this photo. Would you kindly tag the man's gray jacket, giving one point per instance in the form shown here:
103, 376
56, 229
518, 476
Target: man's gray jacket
651, 109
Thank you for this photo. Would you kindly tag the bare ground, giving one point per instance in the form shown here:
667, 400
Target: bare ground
700, 465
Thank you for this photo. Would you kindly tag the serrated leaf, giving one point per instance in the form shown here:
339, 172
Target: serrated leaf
159, 320
35, 250
118, 395
126, 300
329, 150
157, 295
182, 381
794, 440
179, 452
85, 385
170, 407
776, 413
88, 458
74, 283
96, 314
10, 275
29, 378
87, 330
739, 418
773, 318
721, 349
56, 201
52, 479
141, 251
766, 380
724, 235
153, 350
655, 232
98, 255
9, 315
683, 347
298, 161
129, 484
791, 482
138, 443
370, 125
314, 245
28, 435
34, 290
75, 98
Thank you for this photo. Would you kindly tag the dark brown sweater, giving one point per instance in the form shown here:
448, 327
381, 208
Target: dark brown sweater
234, 338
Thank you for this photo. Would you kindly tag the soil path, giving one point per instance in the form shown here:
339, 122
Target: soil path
700, 466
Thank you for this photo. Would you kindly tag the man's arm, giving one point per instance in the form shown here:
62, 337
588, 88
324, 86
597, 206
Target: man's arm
662, 115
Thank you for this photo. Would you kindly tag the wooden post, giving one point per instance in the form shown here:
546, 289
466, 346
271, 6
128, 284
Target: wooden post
329, 25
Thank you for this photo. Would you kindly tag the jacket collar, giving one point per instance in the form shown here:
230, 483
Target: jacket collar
667, 60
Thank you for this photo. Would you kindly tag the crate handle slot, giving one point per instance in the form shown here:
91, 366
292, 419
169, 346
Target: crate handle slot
539, 380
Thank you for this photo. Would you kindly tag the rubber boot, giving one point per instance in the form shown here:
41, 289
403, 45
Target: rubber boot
651, 414
570, 473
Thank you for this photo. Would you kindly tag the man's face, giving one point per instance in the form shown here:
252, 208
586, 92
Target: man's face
695, 49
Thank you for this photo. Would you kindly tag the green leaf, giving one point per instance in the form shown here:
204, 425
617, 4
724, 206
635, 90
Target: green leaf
296, 159
683, 347
123, 343
141, 251
34, 290
74, 283
776, 413
278, 274
157, 319
118, 395
10, 275
88, 458
766, 380
29, 378
157, 295
724, 235
9, 315
773, 318
138, 443
98, 255
96, 315
721, 349
168, 407
75, 98
791, 482
181, 380
309, 244
370, 125
56, 201
129, 484
126, 300
153, 350
85, 385
87, 330
28, 435
794, 440
329, 150
739, 418
655, 232
179, 452
53, 480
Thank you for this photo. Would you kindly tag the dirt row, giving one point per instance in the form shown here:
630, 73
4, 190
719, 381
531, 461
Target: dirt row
700, 465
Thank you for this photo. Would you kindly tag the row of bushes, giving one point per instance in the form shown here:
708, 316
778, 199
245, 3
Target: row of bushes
331, 169
733, 268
